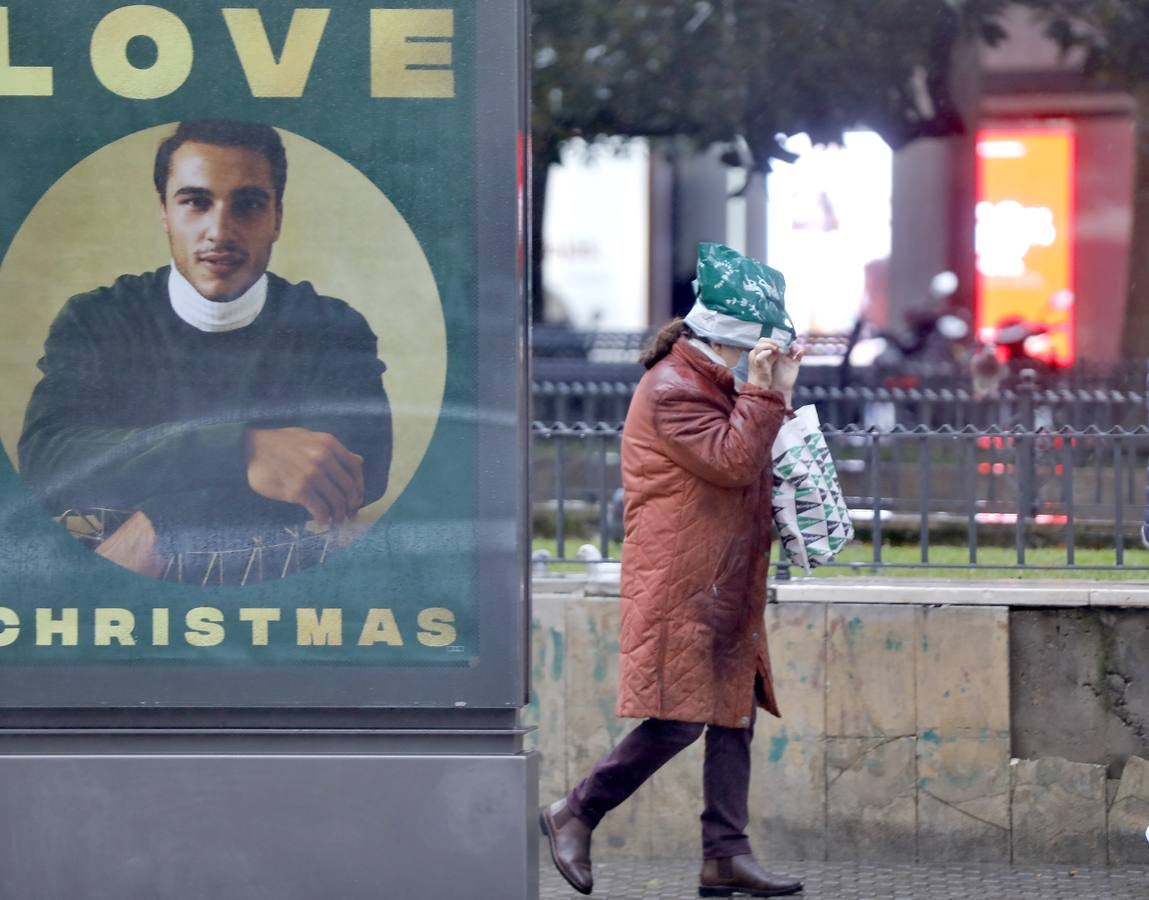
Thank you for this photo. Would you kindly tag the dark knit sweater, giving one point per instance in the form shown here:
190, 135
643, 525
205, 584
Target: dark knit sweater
139, 410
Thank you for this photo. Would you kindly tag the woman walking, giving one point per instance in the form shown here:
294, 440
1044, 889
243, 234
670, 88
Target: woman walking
697, 485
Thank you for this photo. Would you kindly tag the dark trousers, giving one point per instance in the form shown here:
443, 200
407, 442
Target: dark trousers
725, 779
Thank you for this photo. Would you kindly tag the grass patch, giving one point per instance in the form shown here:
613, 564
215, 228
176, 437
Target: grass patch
993, 562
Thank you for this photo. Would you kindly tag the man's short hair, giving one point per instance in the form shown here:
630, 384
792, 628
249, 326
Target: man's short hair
263, 139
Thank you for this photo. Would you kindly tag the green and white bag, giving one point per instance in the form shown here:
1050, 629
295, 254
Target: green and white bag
738, 300
811, 520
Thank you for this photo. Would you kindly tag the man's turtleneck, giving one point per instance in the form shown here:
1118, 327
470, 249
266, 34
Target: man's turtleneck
212, 315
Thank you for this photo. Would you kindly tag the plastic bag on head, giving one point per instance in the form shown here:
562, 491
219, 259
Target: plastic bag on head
731, 284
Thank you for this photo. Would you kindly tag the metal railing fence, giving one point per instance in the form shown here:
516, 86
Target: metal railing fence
969, 487
591, 376
1026, 404
557, 342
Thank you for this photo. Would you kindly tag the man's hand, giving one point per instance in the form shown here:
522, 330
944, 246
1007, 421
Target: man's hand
309, 468
133, 546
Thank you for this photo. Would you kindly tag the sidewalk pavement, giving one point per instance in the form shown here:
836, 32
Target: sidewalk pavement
678, 880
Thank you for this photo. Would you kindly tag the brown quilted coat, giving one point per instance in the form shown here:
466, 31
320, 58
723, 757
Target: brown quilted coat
696, 478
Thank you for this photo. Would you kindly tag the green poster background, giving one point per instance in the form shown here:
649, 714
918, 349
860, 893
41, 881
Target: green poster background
421, 154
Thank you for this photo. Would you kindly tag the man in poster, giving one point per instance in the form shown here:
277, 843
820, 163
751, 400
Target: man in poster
211, 401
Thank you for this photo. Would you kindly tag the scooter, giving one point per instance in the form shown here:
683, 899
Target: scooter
937, 334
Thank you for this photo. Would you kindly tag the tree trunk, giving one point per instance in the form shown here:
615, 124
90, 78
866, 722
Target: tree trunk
1135, 335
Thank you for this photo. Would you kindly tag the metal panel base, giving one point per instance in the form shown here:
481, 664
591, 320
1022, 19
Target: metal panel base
262, 825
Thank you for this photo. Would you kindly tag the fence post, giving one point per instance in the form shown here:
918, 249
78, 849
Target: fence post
1023, 460
1146, 385
1027, 456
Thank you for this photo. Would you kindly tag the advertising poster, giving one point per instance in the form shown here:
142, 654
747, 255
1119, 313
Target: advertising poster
261, 327
1026, 219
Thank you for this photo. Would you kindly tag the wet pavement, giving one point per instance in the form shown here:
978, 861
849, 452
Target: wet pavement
678, 880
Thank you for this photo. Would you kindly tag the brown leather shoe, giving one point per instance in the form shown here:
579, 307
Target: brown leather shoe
570, 845
742, 875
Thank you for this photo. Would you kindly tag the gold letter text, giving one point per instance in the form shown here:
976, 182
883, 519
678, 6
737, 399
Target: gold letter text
267, 76
402, 39
173, 52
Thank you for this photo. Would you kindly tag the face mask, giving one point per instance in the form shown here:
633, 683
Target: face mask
742, 367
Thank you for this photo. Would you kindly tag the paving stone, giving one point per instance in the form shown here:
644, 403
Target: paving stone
788, 793
1129, 816
1009, 593
547, 709
870, 799
963, 798
797, 640
963, 670
558, 584
1122, 596
870, 670
1058, 812
592, 727
677, 879
868, 591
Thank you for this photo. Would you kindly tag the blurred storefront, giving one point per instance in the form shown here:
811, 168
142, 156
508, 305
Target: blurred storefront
1031, 209
596, 238
1076, 147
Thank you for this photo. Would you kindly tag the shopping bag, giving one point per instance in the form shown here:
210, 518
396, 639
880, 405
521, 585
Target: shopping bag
811, 520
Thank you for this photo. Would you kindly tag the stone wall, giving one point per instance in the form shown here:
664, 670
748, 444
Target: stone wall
895, 745
1080, 684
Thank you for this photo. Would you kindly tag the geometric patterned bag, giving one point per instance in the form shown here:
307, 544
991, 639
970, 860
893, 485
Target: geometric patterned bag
811, 521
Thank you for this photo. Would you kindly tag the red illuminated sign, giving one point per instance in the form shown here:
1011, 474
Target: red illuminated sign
1025, 237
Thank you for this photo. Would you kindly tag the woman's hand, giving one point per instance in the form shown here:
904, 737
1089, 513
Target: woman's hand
760, 369
785, 372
